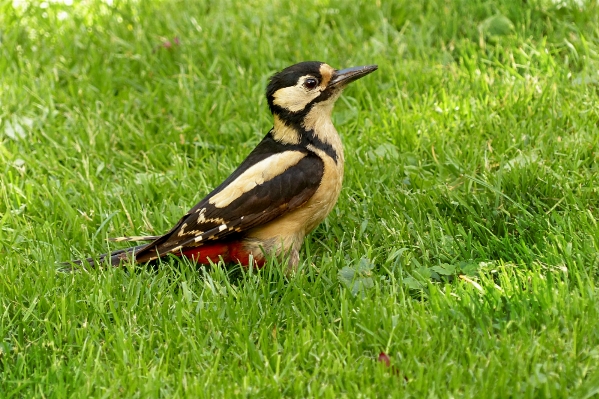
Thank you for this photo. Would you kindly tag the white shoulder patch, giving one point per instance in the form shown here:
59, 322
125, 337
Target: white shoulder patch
263, 171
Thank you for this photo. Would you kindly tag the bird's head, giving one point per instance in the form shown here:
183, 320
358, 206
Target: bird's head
298, 89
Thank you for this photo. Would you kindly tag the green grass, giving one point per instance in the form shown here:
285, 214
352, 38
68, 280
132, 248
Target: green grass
465, 243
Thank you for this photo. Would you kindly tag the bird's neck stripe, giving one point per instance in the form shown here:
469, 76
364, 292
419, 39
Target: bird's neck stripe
284, 133
314, 139
301, 137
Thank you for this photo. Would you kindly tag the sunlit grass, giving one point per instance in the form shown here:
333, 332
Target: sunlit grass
464, 245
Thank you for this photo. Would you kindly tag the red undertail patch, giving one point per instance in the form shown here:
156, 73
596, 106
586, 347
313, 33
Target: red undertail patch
229, 252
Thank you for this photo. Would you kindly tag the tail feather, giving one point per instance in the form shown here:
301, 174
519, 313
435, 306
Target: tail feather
227, 252
133, 238
114, 258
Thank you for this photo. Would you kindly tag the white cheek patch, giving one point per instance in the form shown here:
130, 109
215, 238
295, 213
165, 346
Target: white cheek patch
294, 98
263, 171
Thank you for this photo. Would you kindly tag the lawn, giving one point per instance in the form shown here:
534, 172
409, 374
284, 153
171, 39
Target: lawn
465, 243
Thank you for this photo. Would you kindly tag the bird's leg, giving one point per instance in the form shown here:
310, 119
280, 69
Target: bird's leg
292, 263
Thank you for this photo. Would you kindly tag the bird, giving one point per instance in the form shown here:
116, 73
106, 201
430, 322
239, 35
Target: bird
282, 190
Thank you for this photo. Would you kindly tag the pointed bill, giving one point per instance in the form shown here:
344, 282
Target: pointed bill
348, 75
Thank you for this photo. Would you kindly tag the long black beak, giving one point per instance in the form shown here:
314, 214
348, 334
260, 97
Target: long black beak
348, 75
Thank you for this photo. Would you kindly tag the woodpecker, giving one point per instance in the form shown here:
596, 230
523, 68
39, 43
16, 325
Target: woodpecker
284, 188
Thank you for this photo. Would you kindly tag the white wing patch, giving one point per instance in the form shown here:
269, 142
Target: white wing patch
263, 171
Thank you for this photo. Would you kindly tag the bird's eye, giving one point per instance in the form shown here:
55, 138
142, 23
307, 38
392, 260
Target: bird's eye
310, 83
